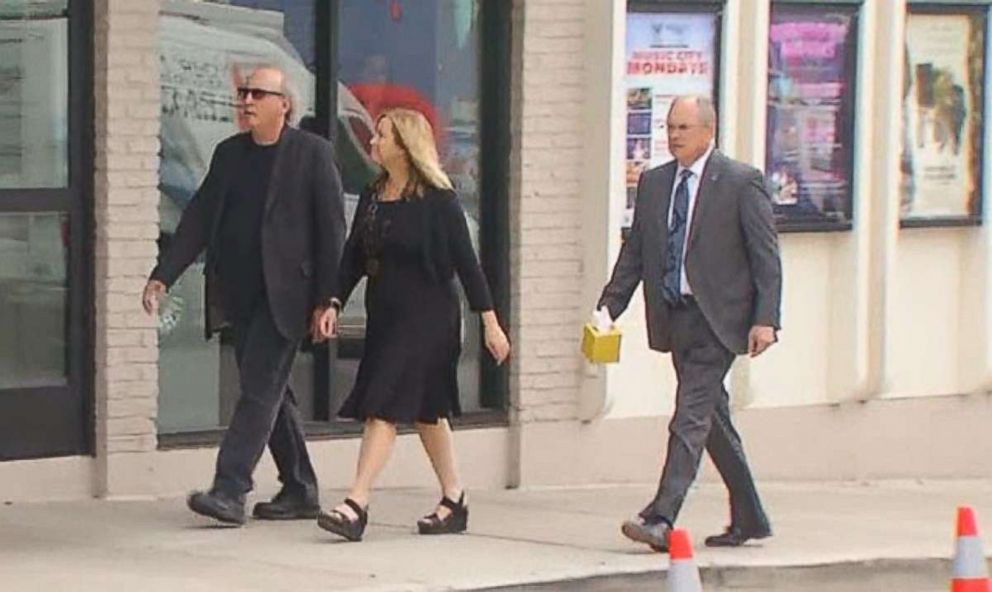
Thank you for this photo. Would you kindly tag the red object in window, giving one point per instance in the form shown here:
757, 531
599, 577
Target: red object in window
395, 10
377, 98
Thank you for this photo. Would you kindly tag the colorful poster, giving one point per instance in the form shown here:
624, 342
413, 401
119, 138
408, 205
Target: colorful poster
810, 114
942, 117
668, 54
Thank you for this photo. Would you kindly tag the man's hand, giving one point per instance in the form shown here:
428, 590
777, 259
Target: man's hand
760, 338
323, 323
601, 319
154, 290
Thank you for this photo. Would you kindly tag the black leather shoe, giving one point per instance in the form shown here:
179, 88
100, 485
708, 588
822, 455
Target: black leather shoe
735, 537
287, 506
655, 535
217, 506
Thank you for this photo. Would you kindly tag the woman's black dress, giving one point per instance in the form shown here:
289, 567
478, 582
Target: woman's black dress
408, 250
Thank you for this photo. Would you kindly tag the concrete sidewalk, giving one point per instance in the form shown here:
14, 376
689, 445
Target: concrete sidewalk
516, 537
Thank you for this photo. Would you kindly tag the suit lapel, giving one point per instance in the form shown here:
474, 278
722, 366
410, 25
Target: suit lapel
705, 194
286, 145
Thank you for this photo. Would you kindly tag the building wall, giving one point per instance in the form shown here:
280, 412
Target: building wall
547, 218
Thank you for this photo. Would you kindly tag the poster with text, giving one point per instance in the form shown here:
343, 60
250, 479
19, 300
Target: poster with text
811, 73
941, 159
668, 54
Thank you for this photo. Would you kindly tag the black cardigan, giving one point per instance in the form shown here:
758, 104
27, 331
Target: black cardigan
448, 248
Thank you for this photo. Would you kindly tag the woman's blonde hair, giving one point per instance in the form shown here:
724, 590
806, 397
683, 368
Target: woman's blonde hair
413, 133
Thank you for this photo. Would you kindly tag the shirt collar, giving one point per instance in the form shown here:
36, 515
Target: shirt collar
696, 167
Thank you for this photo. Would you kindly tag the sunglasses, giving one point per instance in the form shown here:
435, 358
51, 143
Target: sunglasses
256, 93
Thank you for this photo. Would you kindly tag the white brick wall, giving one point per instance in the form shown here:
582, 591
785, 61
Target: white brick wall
126, 213
546, 208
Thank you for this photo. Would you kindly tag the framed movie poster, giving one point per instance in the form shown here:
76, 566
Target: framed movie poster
672, 50
812, 66
942, 115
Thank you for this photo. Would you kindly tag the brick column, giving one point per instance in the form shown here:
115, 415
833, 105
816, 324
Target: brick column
126, 213
546, 214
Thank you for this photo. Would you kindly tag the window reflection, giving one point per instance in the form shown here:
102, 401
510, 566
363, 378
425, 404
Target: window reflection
34, 104
33, 299
206, 49
422, 53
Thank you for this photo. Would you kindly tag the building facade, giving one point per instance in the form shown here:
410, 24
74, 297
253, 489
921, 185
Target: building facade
869, 118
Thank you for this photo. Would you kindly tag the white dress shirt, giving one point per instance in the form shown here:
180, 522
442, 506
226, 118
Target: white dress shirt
693, 186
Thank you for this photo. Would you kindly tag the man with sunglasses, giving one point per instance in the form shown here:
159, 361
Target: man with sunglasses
703, 243
270, 216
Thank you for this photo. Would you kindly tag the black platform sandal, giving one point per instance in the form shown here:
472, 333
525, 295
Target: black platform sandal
340, 524
456, 521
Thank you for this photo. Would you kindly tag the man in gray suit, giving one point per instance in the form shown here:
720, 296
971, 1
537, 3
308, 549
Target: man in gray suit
703, 242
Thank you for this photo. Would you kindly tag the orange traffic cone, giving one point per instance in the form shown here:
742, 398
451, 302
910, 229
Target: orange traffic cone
683, 575
971, 573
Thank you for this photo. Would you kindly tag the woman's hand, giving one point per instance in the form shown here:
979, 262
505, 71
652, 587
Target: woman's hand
496, 341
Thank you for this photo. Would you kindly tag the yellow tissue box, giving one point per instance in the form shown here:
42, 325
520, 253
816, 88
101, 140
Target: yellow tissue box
601, 347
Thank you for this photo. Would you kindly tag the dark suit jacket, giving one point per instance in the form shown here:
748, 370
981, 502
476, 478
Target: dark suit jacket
732, 260
303, 229
447, 248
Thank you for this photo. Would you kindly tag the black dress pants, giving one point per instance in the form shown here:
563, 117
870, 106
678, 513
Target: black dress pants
266, 412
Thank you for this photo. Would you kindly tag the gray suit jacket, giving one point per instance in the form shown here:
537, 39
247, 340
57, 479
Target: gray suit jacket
732, 260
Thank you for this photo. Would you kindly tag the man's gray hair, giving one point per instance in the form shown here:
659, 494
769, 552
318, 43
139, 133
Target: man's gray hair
288, 89
707, 111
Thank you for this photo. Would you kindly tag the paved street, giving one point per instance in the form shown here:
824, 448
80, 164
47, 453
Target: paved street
824, 534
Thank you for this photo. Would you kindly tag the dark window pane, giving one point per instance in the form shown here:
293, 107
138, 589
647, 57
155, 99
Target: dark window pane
34, 80
33, 292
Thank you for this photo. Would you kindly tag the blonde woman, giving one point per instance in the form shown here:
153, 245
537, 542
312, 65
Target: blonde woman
408, 239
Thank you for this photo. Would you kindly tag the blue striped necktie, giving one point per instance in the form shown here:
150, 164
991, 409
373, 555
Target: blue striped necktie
677, 227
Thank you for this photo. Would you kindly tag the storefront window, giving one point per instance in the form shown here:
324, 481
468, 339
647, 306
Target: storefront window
46, 349
33, 292
206, 49
34, 81
421, 54
34, 84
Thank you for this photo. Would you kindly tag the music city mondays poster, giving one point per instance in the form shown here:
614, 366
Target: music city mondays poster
668, 54
810, 110
942, 116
